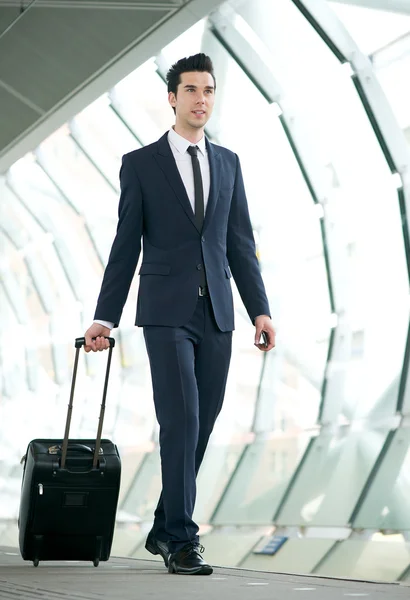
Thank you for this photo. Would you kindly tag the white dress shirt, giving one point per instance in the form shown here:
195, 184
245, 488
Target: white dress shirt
179, 146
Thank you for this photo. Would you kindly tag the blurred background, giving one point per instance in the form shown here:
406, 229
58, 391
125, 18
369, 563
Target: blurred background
311, 449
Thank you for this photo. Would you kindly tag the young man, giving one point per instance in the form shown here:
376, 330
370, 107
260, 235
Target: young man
185, 198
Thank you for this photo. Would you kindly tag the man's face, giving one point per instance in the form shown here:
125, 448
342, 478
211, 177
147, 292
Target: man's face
194, 100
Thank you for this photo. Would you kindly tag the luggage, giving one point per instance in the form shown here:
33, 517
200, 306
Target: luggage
70, 492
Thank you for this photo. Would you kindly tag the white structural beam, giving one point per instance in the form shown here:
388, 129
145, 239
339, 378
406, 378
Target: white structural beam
395, 6
93, 4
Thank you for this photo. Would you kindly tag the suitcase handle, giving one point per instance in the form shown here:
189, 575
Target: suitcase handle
78, 447
79, 343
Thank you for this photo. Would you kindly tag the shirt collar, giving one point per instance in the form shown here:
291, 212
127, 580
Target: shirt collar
181, 144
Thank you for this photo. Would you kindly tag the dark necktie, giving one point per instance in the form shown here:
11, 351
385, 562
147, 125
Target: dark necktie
199, 190
199, 202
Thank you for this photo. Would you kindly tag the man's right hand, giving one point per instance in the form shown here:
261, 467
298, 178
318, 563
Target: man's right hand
99, 332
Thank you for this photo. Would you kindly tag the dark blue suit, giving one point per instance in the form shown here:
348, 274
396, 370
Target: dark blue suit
188, 337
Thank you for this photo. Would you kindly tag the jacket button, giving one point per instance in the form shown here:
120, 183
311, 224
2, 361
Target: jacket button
199, 267
203, 239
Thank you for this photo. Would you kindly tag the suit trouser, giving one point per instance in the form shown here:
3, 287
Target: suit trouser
189, 369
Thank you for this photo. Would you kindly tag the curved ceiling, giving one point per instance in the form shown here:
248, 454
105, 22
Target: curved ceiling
57, 56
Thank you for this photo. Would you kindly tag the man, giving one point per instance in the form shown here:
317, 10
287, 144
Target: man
185, 198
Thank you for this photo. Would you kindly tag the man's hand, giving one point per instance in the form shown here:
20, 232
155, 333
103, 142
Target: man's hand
264, 323
99, 332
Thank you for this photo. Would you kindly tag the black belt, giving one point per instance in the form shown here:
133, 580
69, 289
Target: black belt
203, 291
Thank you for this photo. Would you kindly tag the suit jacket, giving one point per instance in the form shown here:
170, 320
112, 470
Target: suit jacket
154, 207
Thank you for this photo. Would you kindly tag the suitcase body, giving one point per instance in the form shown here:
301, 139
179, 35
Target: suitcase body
69, 496
68, 513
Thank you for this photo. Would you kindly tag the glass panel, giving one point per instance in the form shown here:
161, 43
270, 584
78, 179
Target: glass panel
332, 479
387, 503
13, 315
11, 222
63, 324
89, 390
371, 28
136, 420
375, 561
82, 184
141, 99
130, 463
295, 556
47, 206
190, 42
229, 548
9, 537
10, 485
142, 499
254, 494
32, 369
45, 287
13, 294
216, 470
104, 137
237, 414
292, 259
68, 257
319, 90
32, 245
126, 539
2, 528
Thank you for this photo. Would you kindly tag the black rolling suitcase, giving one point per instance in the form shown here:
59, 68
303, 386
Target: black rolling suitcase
70, 492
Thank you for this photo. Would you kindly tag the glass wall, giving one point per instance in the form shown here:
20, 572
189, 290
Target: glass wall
313, 439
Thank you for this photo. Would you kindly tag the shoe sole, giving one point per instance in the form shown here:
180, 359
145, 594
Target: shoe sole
204, 570
155, 551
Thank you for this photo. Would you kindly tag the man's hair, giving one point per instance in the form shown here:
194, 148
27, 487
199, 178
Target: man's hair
198, 62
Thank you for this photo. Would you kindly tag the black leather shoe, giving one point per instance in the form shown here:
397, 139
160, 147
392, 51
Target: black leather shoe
157, 547
188, 561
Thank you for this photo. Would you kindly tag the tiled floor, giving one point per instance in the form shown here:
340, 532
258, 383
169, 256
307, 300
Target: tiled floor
128, 579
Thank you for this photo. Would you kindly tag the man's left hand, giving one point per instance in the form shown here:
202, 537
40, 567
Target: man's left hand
264, 323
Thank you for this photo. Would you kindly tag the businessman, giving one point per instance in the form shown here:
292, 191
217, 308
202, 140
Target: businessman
185, 198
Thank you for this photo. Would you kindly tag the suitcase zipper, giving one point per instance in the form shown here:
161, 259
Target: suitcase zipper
40, 489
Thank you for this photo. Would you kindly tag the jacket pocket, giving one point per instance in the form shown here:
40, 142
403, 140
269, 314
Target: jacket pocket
154, 269
228, 272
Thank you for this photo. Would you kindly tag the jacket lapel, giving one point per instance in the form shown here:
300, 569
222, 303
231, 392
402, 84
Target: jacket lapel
167, 164
215, 171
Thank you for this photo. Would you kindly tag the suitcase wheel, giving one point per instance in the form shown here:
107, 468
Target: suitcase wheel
96, 562
35, 562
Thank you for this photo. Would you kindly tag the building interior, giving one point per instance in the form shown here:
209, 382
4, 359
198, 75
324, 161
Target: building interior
312, 446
